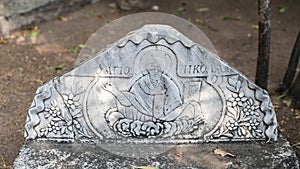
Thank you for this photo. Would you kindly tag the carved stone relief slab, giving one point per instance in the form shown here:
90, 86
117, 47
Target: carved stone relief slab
154, 85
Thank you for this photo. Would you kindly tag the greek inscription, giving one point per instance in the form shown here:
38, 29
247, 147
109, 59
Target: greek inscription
219, 69
114, 70
195, 69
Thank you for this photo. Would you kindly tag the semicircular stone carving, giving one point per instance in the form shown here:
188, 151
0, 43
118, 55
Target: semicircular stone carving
154, 85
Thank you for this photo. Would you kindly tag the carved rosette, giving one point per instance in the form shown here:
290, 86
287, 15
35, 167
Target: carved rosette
153, 84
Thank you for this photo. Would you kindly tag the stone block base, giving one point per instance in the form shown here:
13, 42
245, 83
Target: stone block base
39, 154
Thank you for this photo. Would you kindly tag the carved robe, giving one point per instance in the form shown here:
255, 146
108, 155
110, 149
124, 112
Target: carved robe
154, 101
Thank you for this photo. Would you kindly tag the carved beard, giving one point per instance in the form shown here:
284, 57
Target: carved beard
155, 76
155, 83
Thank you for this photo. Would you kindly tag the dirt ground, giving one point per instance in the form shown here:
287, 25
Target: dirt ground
30, 57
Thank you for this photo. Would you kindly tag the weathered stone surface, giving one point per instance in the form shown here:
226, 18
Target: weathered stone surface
15, 13
146, 101
154, 85
39, 154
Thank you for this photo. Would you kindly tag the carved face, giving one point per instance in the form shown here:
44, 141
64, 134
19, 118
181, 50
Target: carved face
154, 71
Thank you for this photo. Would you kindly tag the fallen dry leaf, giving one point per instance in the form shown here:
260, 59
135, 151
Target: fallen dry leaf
179, 154
3, 40
223, 153
202, 9
62, 18
101, 16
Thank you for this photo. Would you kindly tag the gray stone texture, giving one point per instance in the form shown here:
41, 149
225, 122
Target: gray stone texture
15, 14
40, 154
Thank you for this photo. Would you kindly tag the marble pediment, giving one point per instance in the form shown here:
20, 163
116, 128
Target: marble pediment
154, 85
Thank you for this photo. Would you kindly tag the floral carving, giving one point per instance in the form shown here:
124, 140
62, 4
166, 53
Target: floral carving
241, 115
250, 109
232, 125
237, 99
252, 125
53, 111
71, 101
64, 122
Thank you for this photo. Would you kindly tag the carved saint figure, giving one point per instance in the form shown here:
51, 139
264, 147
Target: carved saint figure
153, 98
